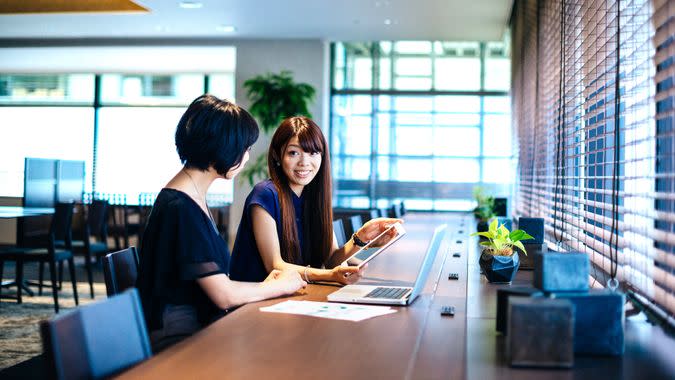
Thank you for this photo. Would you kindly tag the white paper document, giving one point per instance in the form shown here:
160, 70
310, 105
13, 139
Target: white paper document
346, 312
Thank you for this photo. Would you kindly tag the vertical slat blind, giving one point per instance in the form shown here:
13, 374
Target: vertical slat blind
593, 97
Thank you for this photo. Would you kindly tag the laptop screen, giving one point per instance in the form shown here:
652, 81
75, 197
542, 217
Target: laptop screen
429, 258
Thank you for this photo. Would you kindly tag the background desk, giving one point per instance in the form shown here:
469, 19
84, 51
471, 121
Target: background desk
22, 212
413, 343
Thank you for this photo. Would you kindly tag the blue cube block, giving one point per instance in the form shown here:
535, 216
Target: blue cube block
534, 227
599, 322
541, 332
527, 261
561, 272
503, 296
506, 222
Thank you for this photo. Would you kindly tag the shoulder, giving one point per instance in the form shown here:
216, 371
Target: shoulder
174, 202
264, 191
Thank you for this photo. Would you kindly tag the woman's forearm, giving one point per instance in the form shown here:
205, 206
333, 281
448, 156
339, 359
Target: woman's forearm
311, 274
341, 254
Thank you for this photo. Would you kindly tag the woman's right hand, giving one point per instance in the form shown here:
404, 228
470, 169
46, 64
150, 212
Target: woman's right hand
288, 281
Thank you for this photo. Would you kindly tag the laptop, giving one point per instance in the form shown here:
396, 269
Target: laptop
393, 295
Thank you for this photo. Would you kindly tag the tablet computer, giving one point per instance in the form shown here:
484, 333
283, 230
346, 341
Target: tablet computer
375, 246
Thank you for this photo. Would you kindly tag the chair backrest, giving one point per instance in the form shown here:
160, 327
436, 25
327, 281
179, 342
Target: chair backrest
120, 270
97, 216
96, 340
339, 230
61, 227
374, 213
395, 210
355, 222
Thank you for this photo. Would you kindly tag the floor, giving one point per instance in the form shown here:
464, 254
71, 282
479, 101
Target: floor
19, 331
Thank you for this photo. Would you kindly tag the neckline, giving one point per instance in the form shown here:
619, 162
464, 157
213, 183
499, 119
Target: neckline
186, 195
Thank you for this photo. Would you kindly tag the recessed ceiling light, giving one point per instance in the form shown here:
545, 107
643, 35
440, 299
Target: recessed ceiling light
226, 28
190, 4
387, 21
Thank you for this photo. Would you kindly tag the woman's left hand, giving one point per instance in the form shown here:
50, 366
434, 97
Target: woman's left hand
348, 275
374, 227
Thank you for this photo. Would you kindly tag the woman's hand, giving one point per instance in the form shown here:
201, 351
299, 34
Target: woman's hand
288, 281
374, 227
347, 275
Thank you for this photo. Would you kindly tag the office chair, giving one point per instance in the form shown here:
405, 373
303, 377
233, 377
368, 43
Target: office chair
59, 231
96, 340
95, 226
339, 230
120, 270
355, 222
395, 211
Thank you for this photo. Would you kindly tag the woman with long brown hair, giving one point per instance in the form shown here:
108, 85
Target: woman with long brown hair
287, 219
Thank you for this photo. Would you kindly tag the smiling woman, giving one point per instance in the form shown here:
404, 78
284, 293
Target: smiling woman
287, 219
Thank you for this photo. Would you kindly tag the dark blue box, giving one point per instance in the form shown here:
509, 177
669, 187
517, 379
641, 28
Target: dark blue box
541, 332
503, 296
561, 272
534, 227
598, 322
506, 222
527, 261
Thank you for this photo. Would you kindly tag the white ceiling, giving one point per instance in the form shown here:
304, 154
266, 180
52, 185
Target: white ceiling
342, 20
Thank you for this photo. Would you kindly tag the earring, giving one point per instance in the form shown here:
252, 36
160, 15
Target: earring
278, 163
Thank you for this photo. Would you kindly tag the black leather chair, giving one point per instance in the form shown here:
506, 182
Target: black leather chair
355, 222
339, 230
120, 270
97, 340
59, 236
395, 211
93, 241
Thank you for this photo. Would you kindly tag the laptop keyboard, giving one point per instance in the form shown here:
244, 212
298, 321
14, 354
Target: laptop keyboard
391, 293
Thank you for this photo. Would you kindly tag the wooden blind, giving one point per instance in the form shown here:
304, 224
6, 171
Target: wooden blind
593, 94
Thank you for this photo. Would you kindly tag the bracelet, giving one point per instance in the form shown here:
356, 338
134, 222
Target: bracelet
358, 241
305, 275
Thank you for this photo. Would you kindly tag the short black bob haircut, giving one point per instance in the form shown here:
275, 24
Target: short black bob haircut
214, 132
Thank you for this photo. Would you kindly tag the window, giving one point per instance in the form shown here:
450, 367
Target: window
53, 116
593, 108
414, 121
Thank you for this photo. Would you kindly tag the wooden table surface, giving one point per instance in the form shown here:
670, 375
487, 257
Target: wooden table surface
416, 342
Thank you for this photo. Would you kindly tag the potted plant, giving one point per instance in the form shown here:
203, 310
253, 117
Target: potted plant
274, 97
498, 260
484, 210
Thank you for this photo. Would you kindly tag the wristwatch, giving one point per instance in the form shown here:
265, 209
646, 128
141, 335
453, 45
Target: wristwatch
358, 241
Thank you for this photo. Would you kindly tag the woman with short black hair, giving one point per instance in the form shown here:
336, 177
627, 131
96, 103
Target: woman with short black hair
184, 263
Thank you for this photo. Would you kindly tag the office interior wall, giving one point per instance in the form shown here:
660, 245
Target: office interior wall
307, 59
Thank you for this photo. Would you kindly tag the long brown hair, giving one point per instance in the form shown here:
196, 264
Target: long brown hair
317, 207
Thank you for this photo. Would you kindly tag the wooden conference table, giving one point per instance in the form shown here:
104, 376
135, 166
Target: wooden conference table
416, 342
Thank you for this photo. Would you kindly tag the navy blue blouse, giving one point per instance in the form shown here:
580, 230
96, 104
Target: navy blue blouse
180, 245
246, 263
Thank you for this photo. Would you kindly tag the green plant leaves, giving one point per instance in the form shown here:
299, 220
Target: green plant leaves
255, 170
521, 246
499, 237
275, 97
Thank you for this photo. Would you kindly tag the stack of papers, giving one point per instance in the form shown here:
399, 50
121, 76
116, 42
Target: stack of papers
346, 312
